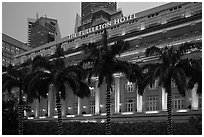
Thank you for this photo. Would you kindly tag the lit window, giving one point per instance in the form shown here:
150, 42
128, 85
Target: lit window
177, 102
129, 86
92, 91
92, 107
152, 103
130, 104
173, 84
153, 85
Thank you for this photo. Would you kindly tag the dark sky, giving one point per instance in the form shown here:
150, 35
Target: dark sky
15, 14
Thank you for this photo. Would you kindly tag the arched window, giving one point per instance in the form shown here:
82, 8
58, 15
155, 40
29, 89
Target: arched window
129, 86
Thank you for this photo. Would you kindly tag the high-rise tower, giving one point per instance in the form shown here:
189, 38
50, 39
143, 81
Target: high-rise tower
43, 30
88, 8
30, 23
96, 13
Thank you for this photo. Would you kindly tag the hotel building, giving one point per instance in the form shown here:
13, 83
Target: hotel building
170, 24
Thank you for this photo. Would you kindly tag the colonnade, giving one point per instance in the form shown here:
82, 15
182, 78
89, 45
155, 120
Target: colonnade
139, 99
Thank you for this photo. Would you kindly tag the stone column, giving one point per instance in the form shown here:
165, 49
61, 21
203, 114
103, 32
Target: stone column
50, 101
194, 97
79, 106
37, 108
164, 100
97, 98
117, 94
139, 102
63, 107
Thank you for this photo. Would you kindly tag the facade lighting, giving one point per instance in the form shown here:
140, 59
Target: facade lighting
30, 118
103, 121
182, 110
103, 114
70, 116
42, 117
87, 115
127, 113
151, 112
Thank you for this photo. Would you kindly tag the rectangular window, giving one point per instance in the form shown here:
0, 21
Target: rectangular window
142, 25
92, 107
177, 102
152, 103
130, 104
92, 91
173, 84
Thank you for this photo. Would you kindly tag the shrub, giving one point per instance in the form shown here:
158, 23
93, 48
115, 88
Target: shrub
137, 128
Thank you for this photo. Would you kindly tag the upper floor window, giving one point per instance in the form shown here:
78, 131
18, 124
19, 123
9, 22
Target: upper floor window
129, 86
173, 84
153, 85
92, 91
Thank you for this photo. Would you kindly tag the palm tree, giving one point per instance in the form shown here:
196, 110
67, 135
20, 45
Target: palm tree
105, 64
12, 78
169, 67
55, 73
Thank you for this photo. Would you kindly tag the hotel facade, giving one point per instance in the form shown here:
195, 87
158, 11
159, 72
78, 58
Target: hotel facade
171, 24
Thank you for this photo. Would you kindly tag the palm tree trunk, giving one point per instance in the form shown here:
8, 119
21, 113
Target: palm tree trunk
20, 113
59, 113
108, 122
169, 106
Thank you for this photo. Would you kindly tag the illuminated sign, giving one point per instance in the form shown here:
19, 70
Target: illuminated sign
102, 26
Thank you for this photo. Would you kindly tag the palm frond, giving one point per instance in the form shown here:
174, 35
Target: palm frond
100, 79
147, 79
59, 52
119, 47
9, 84
124, 67
153, 51
84, 90
105, 40
59, 63
40, 62
60, 79
180, 79
89, 47
75, 70
188, 46
39, 84
14, 72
